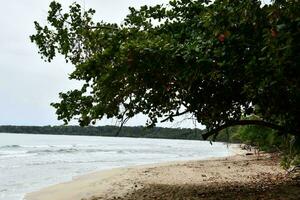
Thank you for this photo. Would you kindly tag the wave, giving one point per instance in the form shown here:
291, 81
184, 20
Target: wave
20, 150
5, 156
44, 150
73, 150
47, 151
14, 146
70, 162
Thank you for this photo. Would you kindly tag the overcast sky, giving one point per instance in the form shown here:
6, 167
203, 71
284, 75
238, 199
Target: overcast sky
27, 84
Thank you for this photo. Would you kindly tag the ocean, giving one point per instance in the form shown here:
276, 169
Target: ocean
29, 162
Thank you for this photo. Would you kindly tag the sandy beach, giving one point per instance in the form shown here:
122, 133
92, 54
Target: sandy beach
242, 176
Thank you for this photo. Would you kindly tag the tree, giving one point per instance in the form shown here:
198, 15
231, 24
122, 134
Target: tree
218, 60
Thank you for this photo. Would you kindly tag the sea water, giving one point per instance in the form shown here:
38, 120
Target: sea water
29, 162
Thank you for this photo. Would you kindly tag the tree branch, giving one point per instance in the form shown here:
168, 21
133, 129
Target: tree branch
245, 122
95, 27
102, 27
175, 115
121, 126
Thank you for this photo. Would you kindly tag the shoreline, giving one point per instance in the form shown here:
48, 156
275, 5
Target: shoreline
164, 180
90, 185
33, 162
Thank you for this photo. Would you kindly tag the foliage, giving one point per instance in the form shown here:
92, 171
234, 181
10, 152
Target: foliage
289, 160
263, 138
216, 60
291, 154
267, 140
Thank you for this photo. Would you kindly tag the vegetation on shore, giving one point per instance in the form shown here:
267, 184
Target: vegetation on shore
267, 140
113, 131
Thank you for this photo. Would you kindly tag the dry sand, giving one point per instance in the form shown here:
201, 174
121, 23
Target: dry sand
173, 180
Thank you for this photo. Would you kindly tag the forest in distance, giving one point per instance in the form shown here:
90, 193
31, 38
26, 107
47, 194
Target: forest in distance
111, 131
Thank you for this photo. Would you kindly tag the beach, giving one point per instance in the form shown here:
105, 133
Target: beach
199, 179
30, 162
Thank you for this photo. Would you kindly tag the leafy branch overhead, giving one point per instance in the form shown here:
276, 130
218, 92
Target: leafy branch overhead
219, 61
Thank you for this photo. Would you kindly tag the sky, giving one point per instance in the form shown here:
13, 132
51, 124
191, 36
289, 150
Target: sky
28, 84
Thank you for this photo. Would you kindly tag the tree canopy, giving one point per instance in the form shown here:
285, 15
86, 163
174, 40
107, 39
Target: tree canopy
219, 61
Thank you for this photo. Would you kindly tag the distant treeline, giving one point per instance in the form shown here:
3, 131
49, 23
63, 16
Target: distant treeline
113, 131
263, 138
